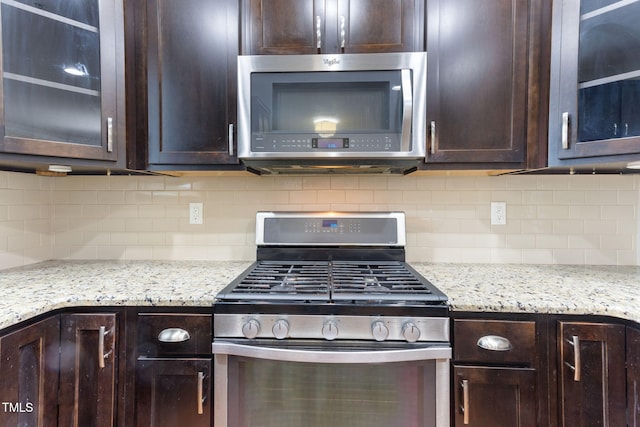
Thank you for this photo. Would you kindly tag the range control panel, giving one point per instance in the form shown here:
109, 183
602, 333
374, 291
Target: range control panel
330, 228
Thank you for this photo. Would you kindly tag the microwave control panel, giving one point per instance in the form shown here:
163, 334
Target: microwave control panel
305, 143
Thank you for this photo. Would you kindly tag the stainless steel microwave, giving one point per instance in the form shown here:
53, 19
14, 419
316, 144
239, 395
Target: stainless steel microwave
358, 113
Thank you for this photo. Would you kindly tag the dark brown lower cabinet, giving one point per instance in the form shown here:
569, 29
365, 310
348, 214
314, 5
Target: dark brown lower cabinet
633, 377
29, 375
173, 392
591, 374
87, 370
496, 397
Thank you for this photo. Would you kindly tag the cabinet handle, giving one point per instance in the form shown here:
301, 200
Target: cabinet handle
432, 131
109, 134
173, 335
565, 130
102, 332
626, 129
494, 343
615, 129
465, 401
343, 32
318, 32
200, 396
230, 139
577, 364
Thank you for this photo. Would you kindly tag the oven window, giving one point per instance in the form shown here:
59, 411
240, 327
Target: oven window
265, 393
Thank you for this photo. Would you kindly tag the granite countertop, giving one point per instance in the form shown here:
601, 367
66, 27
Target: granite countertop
38, 288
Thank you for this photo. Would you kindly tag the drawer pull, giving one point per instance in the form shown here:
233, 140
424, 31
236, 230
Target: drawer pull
173, 335
494, 343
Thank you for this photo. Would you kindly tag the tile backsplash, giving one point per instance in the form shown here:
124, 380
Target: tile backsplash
553, 219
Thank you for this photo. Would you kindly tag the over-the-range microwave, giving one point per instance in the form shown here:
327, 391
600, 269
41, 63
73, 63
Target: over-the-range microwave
349, 113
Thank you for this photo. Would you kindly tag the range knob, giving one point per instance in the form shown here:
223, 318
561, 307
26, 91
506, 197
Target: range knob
280, 329
411, 332
379, 330
251, 329
330, 330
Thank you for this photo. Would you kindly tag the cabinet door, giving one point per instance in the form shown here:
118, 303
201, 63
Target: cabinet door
29, 375
283, 27
594, 81
477, 81
633, 377
366, 26
192, 47
87, 370
591, 368
496, 397
62, 73
172, 392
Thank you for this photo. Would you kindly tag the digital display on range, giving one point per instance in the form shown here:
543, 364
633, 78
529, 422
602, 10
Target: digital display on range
329, 223
330, 143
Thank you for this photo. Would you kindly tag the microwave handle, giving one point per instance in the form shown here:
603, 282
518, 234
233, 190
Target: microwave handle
407, 109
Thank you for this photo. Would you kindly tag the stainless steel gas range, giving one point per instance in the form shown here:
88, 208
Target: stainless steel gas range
331, 327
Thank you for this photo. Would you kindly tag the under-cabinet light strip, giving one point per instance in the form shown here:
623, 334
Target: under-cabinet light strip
50, 15
47, 83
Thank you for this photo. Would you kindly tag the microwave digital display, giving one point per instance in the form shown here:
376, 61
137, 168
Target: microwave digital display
330, 143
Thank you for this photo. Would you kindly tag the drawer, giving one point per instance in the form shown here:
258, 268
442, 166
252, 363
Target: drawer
494, 341
174, 334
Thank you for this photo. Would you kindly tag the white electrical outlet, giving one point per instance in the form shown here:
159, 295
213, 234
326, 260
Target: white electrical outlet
195, 213
498, 213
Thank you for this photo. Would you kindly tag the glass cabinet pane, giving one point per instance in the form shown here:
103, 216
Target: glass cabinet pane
608, 70
51, 70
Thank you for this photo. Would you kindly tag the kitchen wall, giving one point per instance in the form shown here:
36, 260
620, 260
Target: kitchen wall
562, 219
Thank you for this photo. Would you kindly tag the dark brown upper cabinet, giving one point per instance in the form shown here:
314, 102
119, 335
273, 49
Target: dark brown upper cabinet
485, 82
332, 26
62, 92
185, 83
594, 112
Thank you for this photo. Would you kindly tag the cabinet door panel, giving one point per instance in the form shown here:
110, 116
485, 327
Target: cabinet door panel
191, 72
29, 375
477, 86
60, 75
167, 392
496, 397
366, 26
633, 377
87, 370
278, 27
592, 374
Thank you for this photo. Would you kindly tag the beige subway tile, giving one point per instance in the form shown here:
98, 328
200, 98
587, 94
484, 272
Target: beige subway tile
372, 182
616, 241
123, 183
568, 226
619, 213
521, 241
138, 253
553, 212
491, 182
111, 224
506, 256
95, 211
522, 182
599, 257
112, 197
123, 211
150, 183
21, 212
23, 181
402, 183
552, 241
583, 241
235, 183
537, 256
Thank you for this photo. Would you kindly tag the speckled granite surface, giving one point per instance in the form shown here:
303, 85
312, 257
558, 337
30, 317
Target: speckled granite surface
32, 290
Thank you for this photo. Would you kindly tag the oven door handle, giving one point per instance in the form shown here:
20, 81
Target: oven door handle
332, 356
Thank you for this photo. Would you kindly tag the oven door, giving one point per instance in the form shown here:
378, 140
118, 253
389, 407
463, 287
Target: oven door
293, 385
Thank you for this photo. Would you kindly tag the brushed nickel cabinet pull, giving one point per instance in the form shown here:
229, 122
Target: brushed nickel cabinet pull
230, 139
318, 32
200, 396
577, 363
109, 134
174, 335
566, 119
494, 343
343, 32
102, 332
465, 401
432, 130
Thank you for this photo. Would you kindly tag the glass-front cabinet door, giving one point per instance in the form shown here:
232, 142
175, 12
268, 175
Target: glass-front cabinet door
595, 80
59, 77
